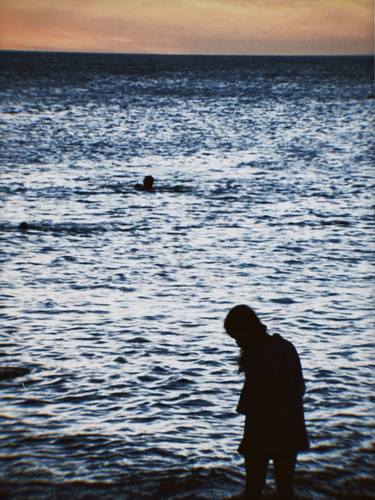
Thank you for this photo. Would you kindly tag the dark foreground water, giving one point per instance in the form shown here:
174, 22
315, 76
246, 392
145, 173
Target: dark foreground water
115, 298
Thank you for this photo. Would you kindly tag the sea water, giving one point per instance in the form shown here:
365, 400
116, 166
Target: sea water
115, 298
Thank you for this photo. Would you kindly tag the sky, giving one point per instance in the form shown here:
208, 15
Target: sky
189, 26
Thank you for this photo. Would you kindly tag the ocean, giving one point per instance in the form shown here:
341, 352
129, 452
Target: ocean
115, 298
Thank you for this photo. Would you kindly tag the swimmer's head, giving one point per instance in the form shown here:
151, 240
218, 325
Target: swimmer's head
23, 227
148, 182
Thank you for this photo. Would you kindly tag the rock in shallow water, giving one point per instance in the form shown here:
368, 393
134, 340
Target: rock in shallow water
12, 372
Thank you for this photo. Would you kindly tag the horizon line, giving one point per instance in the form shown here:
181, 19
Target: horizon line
62, 51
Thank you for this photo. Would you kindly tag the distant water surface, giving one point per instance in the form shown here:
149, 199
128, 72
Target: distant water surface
116, 298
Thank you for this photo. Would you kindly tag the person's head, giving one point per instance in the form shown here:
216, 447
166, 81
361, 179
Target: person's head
148, 182
242, 324
23, 227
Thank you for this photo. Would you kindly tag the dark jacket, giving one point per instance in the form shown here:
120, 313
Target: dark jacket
272, 399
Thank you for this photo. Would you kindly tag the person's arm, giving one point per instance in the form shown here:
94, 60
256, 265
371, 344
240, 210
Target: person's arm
242, 406
298, 374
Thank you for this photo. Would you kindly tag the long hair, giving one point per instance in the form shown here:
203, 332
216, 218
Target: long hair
242, 319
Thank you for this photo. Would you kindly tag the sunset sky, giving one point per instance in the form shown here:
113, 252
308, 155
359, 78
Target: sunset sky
189, 26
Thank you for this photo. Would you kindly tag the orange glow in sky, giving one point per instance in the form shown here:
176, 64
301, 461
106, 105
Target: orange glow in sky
189, 26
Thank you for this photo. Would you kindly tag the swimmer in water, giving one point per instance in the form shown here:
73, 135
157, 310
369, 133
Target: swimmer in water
23, 227
148, 183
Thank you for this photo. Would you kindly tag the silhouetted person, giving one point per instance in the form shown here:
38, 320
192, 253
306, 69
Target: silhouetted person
148, 183
23, 227
271, 400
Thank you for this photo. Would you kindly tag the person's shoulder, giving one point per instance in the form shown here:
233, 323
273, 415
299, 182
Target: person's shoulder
282, 343
276, 339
